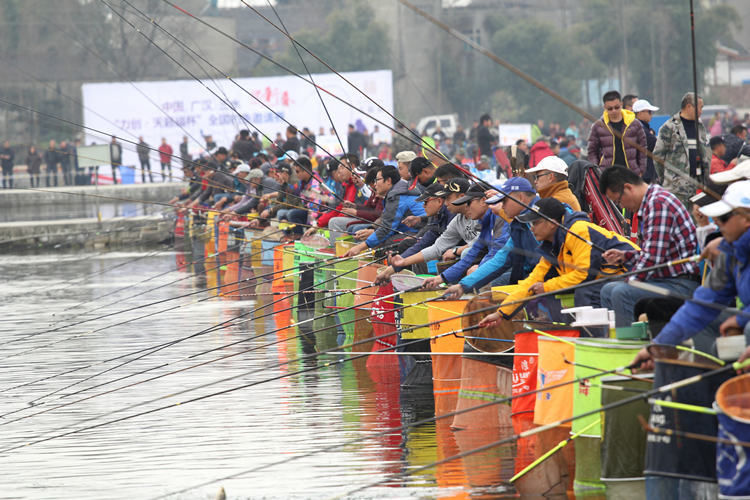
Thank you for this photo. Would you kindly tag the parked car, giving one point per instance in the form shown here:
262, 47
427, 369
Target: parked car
428, 124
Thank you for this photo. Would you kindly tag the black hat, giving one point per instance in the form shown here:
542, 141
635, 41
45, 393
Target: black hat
284, 167
549, 207
434, 190
221, 151
475, 191
457, 185
418, 164
373, 162
715, 141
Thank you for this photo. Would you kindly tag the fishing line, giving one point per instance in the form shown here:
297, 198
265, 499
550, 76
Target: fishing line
616, 404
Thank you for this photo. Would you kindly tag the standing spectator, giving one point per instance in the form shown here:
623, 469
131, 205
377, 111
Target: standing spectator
540, 149
65, 161
210, 143
644, 111
459, 137
484, 136
735, 143
438, 135
676, 146
185, 156
244, 147
572, 131
51, 159
78, 179
607, 148
165, 158
6, 159
34, 166
115, 157
716, 124
143, 151
292, 142
355, 141
308, 142
628, 101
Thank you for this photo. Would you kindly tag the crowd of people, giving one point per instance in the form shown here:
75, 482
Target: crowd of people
512, 218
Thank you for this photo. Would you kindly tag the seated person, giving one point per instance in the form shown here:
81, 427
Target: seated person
728, 280
400, 202
567, 257
551, 181
492, 237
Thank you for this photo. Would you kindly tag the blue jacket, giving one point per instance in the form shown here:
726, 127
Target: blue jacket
520, 263
487, 239
400, 202
435, 227
730, 278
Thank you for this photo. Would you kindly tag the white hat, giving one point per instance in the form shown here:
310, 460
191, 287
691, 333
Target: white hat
643, 105
740, 171
242, 168
737, 195
551, 163
406, 156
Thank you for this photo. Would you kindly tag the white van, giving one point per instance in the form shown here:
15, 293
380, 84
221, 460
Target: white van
448, 124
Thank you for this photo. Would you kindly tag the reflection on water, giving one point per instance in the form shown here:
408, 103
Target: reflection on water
82, 210
295, 405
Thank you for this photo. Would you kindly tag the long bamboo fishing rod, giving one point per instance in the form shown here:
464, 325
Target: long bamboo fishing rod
531, 432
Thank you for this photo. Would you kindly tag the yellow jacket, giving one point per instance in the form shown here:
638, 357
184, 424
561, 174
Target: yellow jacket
568, 260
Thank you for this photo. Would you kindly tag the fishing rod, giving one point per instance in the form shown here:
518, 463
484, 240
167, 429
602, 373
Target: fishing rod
156, 312
200, 398
459, 167
309, 74
604, 408
229, 105
226, 323
688, 298
539, 85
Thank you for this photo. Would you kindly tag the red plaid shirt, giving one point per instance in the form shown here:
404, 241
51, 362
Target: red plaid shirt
666, 233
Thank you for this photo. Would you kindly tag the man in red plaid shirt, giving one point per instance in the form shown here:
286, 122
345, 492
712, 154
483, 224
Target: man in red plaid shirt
667, 233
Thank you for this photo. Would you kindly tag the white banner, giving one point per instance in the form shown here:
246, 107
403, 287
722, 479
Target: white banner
156, 110
511, 132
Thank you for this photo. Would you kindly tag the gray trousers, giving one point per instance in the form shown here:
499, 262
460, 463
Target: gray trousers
337, 227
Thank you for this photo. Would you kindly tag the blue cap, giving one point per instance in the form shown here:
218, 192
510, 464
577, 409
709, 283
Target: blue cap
512, 185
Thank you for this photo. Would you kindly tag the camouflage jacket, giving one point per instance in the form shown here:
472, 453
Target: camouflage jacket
672, 148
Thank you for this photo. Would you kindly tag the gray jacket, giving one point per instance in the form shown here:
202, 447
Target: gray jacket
460, 228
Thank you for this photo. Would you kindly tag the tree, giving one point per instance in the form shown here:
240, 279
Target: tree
351, 41
649, 44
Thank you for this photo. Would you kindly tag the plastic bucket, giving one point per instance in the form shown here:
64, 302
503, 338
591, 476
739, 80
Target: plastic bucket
267, 251
732, 466
602, 355
623, 437
676, 457
365, 277
555, 404
416, 314
446, 370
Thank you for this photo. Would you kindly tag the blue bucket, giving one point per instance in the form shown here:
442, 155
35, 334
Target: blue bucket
732, 465
432, 267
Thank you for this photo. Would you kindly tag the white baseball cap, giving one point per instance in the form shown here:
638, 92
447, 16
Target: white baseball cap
643, 105
242, 168
737, 195
739, 172
551, 163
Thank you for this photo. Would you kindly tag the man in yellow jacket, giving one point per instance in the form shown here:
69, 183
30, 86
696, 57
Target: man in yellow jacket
568, 256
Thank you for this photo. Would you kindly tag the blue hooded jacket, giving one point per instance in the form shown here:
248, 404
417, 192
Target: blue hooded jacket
400, 202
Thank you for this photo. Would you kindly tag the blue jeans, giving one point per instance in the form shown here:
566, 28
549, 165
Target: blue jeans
356, 227
621, 297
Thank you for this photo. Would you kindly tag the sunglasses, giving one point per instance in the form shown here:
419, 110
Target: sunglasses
725, 218
537, 176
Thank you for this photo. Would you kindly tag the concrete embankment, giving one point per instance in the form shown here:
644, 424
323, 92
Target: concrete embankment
111, 232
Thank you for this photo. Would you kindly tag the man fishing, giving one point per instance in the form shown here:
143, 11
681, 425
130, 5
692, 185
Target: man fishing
666, 234
492, 237
568, 258
728, 280
400, 202
507, 266
460, 232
